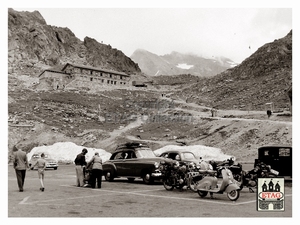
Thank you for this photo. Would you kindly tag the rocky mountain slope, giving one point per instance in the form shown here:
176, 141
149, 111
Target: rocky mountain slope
106, 118
263, 77
177, 63
34, 46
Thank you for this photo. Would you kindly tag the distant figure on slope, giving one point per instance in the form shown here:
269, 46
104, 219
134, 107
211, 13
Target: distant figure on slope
213, 112
269, 113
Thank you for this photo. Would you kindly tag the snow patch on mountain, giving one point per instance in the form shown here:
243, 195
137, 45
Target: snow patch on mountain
232, 64
66, 152
184, 66
207, 153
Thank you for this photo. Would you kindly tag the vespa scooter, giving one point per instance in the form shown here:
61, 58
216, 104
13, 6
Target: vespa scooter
209, 184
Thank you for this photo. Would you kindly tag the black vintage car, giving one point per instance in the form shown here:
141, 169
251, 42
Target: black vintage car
133, 160
279, 157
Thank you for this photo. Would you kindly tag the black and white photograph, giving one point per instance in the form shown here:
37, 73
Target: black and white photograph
130, 111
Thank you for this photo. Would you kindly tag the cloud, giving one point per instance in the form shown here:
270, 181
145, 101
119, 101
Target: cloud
206, 32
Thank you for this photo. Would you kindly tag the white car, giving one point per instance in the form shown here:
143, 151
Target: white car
51, 163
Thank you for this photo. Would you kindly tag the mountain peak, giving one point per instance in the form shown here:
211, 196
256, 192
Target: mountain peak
177, 63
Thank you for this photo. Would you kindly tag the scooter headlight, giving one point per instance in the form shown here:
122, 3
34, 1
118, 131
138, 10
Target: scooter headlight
229, 174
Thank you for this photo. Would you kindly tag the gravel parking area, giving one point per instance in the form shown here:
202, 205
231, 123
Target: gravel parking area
120, 198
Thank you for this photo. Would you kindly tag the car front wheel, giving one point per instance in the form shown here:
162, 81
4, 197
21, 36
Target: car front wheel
108, 176
147, 178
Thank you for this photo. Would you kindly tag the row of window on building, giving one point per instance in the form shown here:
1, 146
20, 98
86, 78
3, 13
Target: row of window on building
103, 80
96, 73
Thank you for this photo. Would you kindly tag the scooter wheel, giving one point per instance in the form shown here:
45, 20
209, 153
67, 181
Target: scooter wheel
233, 195
202, 194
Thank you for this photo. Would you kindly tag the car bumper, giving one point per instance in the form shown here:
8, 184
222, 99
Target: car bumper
156, 174
51, 165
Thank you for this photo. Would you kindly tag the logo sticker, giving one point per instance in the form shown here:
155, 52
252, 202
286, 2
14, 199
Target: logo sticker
270, 194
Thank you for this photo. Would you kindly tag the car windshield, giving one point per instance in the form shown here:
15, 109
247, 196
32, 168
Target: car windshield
145, 153
188, 155
35, 156
39, 156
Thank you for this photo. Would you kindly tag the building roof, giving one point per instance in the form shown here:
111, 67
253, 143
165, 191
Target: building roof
94, 68
54, 71
275, 146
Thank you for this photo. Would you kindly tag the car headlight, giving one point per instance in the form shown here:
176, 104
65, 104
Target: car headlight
156, 165
161, 167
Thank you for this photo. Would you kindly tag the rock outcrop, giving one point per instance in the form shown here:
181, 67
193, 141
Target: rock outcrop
263, 77
33, 46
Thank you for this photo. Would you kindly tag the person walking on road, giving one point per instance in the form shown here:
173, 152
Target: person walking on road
20, 163
80, 165
41, 165
96, 161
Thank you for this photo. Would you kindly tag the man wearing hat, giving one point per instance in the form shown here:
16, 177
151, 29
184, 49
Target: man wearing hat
80, 164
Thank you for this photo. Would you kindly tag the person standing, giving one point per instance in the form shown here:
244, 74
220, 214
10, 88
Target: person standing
205, 165
20, 163
96, 170
269, 113
80, 164
41, 165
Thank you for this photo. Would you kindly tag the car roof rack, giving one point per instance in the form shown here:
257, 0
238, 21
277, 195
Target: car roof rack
132, 145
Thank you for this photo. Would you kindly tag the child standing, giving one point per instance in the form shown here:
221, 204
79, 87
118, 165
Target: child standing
41, 165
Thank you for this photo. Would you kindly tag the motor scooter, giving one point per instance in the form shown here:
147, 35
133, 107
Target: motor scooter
235, 168
209, 184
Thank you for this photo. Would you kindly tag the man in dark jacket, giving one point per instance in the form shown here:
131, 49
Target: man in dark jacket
20, 163
80, 164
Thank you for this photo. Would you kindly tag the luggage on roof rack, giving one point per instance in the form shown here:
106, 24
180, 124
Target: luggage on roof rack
132, 145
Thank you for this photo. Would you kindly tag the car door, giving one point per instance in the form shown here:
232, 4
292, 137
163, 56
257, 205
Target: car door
118, 161
130, 164
285, 161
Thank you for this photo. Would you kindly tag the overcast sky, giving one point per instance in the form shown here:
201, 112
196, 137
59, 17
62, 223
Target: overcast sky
235, 33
